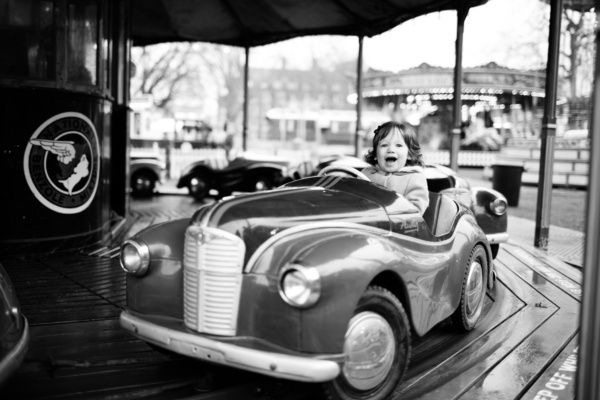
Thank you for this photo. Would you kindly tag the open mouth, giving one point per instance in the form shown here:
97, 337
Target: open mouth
391, 159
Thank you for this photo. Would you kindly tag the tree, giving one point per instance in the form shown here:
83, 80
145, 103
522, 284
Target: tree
576, 49
191, 70
161, 71
577, 52
227, 68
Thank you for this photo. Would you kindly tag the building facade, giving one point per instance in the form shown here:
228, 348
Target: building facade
289, 107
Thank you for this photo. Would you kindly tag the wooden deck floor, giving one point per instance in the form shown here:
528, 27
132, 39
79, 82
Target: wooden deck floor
78, 350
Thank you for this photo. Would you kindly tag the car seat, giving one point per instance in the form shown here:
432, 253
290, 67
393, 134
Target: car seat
440, 214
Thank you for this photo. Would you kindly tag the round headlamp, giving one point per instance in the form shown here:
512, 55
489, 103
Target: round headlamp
299, 286
498, 206
135, 257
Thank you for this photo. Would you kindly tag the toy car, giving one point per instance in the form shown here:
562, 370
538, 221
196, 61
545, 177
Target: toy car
488, 205
243, 174
14, 329
146, 171
324, 279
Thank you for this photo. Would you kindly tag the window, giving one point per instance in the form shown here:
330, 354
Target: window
51, 48
27, 39
82, 52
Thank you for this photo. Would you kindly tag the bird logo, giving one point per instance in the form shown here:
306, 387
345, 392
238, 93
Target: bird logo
62, 163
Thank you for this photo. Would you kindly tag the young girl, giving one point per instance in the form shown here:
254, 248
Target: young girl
398, 163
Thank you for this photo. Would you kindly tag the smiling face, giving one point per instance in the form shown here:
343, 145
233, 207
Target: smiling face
392, 152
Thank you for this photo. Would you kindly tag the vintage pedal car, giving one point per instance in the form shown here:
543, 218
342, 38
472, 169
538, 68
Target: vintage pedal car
243, 174
146, 171
488, 205
322, 280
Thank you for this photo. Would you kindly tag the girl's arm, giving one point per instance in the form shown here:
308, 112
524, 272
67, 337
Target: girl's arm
417, 192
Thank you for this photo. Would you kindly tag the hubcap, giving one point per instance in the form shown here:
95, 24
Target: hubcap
197, 185
474, 287
142, 184
370, 349
260, 186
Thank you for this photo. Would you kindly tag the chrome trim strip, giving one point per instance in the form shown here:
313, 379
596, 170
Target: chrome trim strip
329, 183
268, 363
497, 238
322, 182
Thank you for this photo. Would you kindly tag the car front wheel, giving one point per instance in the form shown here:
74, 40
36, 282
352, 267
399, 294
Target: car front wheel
377, 347
262, 183
472, 292
143, 184
198, 186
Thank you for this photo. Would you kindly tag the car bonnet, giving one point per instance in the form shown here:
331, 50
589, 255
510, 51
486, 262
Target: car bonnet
256, 217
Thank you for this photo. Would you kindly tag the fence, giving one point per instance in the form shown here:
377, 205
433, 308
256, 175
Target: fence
465, 158
218, 158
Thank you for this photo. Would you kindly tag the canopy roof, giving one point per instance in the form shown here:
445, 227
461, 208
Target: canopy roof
249, 23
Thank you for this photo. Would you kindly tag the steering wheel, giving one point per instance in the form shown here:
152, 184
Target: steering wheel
342, 170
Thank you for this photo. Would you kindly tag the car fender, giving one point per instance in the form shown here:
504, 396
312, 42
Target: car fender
155, 167
347, 259
160, 290
151, 171
198, 167
478, 236
481, 199
274, 171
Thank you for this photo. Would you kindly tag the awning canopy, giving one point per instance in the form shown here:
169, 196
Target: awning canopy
249, 23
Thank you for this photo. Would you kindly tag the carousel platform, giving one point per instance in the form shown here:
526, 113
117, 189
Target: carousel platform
525, 347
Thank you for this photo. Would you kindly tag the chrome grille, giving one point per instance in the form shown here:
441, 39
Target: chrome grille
212, 279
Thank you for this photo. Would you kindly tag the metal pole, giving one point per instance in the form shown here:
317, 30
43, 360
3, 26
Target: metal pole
461, 14
587, 386
245, 123
542, 217
359, 99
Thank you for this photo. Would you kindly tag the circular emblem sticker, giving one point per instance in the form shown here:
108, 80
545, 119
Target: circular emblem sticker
62, 163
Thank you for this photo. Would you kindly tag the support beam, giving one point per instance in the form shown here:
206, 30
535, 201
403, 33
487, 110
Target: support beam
461, 15
548, 134
121, 127
358, 137
588, 369
245, 123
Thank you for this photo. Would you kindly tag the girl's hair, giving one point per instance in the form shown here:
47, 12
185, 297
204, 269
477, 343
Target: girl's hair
408, 134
